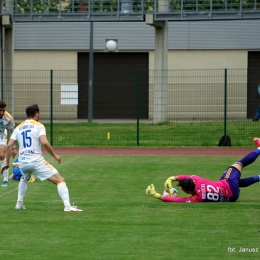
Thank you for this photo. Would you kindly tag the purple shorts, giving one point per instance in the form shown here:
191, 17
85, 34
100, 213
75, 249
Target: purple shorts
232, 176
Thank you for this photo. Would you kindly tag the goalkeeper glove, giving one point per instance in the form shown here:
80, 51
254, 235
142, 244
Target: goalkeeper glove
152, 192
168, 183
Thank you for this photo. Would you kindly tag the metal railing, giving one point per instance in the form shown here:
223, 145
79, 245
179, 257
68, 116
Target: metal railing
201, 106
129, 10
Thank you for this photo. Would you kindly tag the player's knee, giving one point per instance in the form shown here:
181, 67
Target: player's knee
238, 166
61, 184
60, 179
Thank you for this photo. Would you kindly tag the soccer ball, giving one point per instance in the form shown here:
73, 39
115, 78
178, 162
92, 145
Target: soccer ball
172, 193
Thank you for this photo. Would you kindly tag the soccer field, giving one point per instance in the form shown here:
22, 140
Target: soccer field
120, 221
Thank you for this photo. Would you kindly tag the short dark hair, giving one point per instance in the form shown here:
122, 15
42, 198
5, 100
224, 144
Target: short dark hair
32, 110
187, 184
2, 104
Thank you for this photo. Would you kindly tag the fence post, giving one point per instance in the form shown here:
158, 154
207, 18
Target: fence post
225, 140
137, 105
51, 108
90, 76
225, 104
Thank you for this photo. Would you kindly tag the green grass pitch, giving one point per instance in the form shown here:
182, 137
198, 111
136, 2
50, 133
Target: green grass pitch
120, 221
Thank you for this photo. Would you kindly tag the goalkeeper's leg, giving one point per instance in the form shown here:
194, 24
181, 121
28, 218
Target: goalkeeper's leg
247, 160
245, 182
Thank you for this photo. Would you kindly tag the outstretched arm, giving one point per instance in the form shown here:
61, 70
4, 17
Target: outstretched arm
152, 192
48, 148
191, 199
10, 127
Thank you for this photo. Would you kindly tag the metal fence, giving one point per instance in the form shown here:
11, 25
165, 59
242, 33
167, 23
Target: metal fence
73, 10
174, 108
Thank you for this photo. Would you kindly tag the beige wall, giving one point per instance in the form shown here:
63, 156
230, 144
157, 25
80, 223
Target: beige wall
200, 59
179, 59
200, 107
45, 60
215, 59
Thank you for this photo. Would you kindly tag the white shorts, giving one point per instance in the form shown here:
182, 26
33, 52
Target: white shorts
3, 138
42, 169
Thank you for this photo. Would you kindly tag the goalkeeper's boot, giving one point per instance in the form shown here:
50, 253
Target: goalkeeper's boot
257, 141
32, 178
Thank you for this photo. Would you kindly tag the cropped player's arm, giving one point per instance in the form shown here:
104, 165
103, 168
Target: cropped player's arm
8, 154
10, 127
48, 148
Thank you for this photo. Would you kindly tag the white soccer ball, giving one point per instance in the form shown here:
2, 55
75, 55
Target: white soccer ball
172, 193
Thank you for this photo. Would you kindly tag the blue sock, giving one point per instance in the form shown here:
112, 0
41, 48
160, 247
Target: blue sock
250, 158
245, 182
256, 178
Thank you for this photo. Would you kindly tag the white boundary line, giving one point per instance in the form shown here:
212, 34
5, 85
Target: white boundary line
8, 192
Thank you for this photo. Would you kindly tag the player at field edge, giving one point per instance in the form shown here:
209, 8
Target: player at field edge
6, 123
203, 190
30, 135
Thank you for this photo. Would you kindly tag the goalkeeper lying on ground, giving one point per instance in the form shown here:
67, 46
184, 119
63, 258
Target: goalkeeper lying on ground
203, 190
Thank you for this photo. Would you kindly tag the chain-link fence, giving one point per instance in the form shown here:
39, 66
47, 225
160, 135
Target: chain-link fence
125, 108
